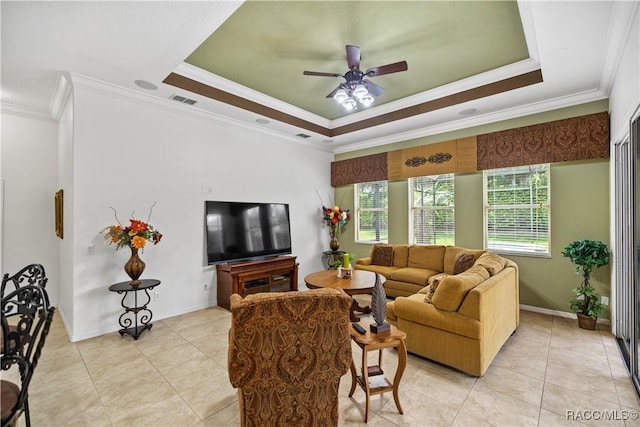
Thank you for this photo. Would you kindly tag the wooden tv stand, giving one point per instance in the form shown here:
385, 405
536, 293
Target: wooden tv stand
274, 274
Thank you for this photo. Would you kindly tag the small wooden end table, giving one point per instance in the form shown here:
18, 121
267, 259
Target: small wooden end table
139, 322
372, 379
361, 282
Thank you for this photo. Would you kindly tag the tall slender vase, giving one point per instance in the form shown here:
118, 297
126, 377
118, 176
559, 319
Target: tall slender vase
134, 267
334, 243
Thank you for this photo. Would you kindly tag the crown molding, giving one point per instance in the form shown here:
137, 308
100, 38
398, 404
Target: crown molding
617, 40
529, 28
61, 94
484, 119
23, 111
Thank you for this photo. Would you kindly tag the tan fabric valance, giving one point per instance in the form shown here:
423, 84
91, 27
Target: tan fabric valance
577, 138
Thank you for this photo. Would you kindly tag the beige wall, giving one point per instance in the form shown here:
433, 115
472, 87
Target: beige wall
579, 210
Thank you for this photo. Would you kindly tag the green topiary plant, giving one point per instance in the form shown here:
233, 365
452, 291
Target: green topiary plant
585, 256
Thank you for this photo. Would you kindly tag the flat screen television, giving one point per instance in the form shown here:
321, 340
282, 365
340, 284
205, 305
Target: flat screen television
243, 230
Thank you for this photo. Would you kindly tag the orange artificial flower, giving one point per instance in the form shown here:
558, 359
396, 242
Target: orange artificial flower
138, 242
136, 235
138, 226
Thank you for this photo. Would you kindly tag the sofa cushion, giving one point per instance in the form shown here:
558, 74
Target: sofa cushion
419, 276
493, 262
464, 261
395, 289
381, 269
452, 252
400, 255
430, 257
453, 289
414, 310
382, 255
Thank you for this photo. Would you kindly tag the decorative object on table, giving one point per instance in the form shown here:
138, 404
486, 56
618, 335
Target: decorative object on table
336, 219
135, 236
379, 307
347, 273
345, 261
585, 256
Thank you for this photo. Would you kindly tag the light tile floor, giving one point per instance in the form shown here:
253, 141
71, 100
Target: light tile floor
175, 375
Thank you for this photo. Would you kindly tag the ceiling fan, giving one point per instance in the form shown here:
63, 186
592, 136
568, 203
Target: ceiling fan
355, 85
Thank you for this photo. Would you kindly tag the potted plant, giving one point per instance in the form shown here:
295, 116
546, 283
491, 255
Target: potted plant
585, 256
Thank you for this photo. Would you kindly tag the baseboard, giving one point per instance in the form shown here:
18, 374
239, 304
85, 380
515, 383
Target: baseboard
558, 313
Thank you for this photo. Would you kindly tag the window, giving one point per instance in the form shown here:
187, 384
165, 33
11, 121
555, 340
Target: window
372, 217
517, 209
432, 210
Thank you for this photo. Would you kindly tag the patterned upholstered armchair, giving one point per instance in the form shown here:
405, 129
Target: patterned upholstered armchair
287, 353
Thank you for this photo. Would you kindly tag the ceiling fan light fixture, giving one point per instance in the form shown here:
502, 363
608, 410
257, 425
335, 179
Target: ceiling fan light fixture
349, 103
341, 96
360, 91
366, 100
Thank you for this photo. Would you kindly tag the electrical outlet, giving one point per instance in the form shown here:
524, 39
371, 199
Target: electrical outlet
156, 296
206, 286
91, 250
604, 300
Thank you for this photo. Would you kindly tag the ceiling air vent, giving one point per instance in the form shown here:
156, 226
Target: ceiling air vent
183, 99
303, 135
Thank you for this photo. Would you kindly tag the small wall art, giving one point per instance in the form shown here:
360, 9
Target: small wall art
59, 212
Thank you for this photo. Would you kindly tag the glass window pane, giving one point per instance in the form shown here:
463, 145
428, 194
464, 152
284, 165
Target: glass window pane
372, 220
517, 209
432, 202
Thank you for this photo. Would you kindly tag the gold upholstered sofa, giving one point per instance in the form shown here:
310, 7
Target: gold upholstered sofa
457, 306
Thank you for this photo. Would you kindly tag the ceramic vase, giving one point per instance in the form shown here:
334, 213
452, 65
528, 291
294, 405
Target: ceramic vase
334, 244
134, 267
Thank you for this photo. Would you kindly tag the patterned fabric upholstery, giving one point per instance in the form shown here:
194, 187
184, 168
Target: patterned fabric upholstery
287, 353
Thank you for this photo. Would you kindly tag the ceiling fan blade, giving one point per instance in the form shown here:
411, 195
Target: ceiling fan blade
387, 69
373, 88
333, 92
353, 56
318, 73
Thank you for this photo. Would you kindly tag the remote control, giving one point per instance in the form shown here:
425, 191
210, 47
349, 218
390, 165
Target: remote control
359, 328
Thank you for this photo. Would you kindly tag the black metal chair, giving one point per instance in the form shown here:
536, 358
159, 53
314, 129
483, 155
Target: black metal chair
26, 319
32, 274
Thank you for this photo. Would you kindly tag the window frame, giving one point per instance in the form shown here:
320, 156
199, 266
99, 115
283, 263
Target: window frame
524, 251
358, 211
431, 208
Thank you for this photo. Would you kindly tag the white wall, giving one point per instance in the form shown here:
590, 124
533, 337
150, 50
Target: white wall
65, 246
625, 91
624, 98
129, 152
28, 154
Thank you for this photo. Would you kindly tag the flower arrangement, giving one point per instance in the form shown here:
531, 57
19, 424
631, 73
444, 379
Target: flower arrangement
336, 218
135, 235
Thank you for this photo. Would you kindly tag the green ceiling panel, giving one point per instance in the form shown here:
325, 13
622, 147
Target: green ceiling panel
266, 45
